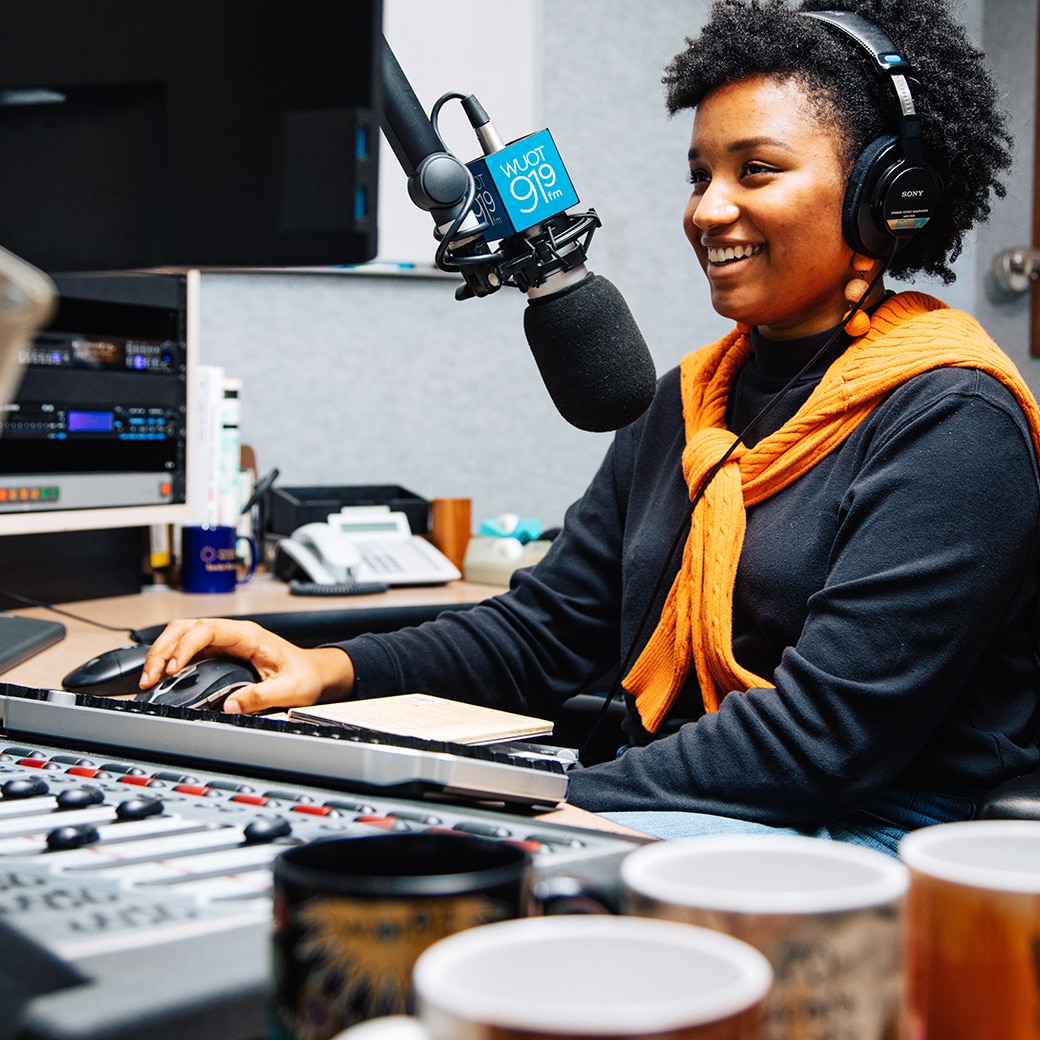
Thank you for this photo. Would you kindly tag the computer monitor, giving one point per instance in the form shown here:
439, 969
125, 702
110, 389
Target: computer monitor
191, 133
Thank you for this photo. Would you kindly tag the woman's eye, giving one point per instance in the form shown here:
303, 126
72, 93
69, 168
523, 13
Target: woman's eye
755, 169
698, 177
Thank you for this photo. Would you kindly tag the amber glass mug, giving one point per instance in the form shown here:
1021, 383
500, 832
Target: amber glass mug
973, 931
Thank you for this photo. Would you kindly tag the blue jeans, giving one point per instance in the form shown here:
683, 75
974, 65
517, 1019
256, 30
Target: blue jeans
879, 825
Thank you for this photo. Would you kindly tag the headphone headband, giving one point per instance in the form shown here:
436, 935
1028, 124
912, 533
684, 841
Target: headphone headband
873, 39
892, 191
887, 61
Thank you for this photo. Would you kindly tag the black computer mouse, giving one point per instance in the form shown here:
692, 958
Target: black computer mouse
205, 683
109, 674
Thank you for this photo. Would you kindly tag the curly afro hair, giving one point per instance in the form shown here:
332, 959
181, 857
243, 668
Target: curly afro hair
965, 133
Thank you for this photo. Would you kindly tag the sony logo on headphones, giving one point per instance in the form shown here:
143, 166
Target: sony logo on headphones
912, 194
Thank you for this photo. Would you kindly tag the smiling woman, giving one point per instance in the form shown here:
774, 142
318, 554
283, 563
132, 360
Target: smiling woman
765, 214
812, 561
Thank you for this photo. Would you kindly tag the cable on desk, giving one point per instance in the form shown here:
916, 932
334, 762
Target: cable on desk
28, 601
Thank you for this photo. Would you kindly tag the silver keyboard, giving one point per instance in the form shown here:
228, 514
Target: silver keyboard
348, 758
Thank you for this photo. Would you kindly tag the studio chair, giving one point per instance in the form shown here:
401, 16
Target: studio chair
587, 722
1015, 799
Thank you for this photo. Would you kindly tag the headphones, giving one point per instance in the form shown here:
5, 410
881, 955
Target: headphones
892, 192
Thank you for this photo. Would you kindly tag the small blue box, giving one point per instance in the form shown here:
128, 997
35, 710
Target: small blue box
521, 185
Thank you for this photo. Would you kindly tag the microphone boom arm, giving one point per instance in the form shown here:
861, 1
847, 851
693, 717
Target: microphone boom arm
437, 181
502, 220
441, 184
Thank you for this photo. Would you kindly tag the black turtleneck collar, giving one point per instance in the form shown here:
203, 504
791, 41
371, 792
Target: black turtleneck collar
770, 366
780, 359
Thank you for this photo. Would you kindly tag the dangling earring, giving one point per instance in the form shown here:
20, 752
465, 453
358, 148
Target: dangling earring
855, 291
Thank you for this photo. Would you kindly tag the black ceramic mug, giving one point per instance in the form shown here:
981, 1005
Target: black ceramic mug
351, 915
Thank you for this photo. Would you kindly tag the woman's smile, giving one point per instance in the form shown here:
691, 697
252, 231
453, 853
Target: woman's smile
727, 254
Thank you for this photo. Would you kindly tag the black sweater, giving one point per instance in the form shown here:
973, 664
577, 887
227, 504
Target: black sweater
890, 593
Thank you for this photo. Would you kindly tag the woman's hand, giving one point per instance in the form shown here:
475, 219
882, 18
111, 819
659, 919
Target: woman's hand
289, 675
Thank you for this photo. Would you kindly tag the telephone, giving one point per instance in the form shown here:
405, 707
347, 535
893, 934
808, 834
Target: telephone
363, 544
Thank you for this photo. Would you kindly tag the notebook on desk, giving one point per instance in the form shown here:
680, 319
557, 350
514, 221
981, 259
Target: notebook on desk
430, 718
22, 637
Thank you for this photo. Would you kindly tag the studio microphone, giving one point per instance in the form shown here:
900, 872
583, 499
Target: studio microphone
591, 355
503, 219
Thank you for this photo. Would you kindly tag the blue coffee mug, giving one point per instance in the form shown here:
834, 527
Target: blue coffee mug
210, 560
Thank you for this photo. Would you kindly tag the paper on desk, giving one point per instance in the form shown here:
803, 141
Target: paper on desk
427, 717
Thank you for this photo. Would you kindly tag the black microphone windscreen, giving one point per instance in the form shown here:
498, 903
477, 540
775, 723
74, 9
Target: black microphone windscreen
591, 355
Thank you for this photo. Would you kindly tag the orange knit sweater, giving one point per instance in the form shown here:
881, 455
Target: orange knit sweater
910, 333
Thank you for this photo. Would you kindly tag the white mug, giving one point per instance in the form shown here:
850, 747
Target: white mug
576, 975
826, 914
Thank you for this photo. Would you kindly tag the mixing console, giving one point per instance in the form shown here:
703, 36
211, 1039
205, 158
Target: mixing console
135, 895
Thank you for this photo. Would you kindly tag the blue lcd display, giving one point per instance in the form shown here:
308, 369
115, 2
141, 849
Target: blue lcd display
89, 422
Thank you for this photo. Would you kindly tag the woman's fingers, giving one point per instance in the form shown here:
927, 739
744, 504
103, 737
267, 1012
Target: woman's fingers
182, 641
289, 676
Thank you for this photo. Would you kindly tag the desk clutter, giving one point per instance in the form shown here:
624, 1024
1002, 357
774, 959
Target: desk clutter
339, 536
352, 540
135, 894
137, 846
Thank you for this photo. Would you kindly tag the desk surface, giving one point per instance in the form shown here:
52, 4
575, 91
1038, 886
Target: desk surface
262, 595
155, 606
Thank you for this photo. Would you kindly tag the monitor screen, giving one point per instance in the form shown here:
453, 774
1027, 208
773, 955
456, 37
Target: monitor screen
189, 133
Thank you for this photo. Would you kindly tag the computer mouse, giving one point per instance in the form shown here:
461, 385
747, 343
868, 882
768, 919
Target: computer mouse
205, 683
109, 674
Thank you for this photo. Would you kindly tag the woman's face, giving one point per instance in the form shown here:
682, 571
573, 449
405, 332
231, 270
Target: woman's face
765, 214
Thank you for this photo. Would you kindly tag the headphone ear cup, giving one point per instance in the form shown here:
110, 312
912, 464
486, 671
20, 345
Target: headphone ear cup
858, 222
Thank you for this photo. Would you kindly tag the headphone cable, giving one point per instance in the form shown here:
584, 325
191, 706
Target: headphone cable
682, 533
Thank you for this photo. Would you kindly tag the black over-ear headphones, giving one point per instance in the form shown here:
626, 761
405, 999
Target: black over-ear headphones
892, 192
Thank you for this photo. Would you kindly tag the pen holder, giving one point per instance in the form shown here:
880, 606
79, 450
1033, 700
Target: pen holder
450, 527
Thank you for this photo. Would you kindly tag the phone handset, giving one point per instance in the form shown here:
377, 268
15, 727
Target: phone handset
363, 545
323, 554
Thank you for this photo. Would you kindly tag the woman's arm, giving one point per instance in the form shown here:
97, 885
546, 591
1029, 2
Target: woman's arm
911, 662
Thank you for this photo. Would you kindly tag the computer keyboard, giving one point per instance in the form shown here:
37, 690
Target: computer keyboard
351, 758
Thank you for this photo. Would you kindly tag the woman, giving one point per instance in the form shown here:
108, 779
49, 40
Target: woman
840, 641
